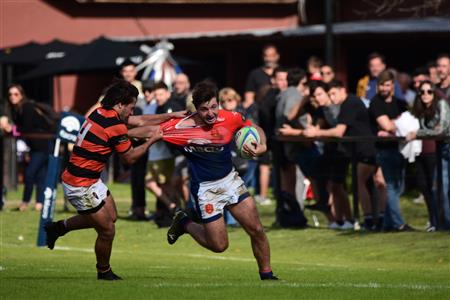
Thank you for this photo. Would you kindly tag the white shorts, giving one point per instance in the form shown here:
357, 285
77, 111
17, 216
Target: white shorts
213, 196
86, 199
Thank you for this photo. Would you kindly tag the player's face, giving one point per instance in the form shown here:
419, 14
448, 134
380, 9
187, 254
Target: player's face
386, 89
129, 73
208, 111
126, 110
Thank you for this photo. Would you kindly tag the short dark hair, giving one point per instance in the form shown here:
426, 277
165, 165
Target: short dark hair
335, 83
148, 85
295, 75
384, 76
374, 55
160, 85
120, 91
315, 84
278, 70
421, 71
431, 64
127, 62
203, 92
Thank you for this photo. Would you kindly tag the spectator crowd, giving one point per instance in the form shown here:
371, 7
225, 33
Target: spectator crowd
312, 173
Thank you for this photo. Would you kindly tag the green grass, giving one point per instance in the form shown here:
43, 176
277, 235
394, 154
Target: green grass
315, 263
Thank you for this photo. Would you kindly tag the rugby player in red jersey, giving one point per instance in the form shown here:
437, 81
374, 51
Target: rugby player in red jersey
105, 131
205, 139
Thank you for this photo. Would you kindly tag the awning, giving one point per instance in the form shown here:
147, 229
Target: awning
34, 53
426, 25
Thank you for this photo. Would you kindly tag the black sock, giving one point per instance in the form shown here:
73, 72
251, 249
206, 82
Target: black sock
61, 228
103, 269
265, 274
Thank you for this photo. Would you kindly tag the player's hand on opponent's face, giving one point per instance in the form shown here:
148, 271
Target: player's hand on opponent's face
255, 149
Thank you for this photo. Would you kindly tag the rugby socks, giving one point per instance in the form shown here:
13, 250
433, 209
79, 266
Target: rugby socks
267, 275
61, 228
184, 223
106, 273
103, 269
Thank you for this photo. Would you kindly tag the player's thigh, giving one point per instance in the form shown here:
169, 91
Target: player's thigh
102, 221
216, 232
110, 206
246, 213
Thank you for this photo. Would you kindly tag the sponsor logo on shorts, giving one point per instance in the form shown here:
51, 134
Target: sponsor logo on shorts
209, 208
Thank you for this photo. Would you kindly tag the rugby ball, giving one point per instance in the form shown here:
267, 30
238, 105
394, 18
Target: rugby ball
245, 135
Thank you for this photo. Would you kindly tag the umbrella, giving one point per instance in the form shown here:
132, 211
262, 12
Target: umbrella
100, 54
33, 53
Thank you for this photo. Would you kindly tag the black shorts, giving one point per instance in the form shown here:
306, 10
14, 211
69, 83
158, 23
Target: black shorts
336, 167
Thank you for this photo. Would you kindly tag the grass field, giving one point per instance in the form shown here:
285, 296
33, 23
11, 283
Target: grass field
314, 263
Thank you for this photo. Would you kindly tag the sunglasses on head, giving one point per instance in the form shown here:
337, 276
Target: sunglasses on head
429, 92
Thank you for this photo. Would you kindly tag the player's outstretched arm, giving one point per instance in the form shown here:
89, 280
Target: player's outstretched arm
148, 120
143, 132
132, 155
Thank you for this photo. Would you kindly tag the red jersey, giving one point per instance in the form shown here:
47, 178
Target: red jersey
207, 147
102, 133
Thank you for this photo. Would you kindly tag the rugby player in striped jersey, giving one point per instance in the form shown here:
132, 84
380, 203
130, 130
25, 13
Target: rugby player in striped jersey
104, 132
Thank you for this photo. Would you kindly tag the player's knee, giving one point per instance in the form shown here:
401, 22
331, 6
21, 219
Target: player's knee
219, 247
257, 231
108, 231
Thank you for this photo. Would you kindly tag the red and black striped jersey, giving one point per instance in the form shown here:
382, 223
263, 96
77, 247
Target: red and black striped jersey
102, 133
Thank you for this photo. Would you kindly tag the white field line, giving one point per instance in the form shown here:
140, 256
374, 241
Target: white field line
370, 285
202, 256
277, 284
231, 258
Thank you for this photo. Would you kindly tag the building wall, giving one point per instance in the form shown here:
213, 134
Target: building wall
42, 21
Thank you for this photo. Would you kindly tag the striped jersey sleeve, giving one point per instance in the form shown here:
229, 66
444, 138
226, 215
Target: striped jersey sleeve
102, 133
